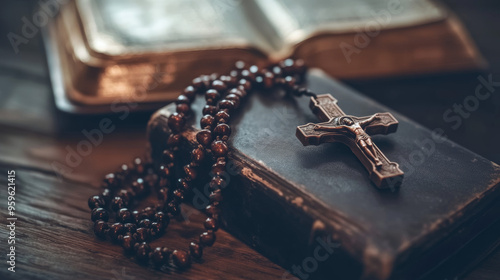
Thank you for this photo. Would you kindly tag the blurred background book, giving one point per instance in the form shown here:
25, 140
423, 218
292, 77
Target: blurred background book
104, 53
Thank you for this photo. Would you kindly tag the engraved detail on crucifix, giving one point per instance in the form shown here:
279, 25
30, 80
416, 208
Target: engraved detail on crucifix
356, 133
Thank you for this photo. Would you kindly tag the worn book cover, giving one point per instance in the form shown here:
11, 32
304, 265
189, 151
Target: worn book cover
314, 210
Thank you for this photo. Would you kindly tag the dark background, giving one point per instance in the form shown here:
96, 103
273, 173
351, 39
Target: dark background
26, 101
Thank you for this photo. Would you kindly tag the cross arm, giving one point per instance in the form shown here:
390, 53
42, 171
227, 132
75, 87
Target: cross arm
380, 123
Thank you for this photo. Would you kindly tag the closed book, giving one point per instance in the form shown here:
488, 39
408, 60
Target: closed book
314, 210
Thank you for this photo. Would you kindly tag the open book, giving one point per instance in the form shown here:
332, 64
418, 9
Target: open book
114, 51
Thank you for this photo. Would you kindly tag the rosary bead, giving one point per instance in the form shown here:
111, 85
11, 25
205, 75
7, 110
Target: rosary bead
99, 214
289, 83
142, 252
219, 148
190, 93
246, 84
182, 184
182, 99
168, 157
222, 130
128, 243
212, 96
139, 166
101, 229
163, 194
142, 234
118, 203
139, 187
151, 181
96, 202
207, 238
183, 109
124, 170
209, 110
212, 210
204, 137
207, 121
215, 197
164, 171
254, 69
181, 259
211, 224
229, 80
246, 74
195, 250
145, 223
124, 216
178, 195
156, 229
222, 117
126, 196
198, 155
176, 122
277, 71
158, 257
162, 219
173, 208
138, 216
218, 168
219, 85
149, 212
106, 195
190, 173
217, 183
268, 79
115, 231
130, 227
234, 98
240, 65
198, 84
111, 181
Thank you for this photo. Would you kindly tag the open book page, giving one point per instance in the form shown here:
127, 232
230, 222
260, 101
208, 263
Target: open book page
293, 21
121, 27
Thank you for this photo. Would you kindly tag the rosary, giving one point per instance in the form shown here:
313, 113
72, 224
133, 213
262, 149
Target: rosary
134, 230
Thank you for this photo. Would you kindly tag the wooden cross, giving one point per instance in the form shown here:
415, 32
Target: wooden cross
354, 132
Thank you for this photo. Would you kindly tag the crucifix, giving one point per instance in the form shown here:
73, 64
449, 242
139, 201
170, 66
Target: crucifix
354, 132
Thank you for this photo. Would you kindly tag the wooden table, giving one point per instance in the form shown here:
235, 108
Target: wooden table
54, 239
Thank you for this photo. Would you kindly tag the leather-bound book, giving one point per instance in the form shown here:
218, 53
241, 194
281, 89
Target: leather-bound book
314, 209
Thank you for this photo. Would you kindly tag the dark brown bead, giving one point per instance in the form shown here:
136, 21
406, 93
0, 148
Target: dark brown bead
289, 83
183, 109
277, 71
145, 223
173, 208
207, 238
139, 187
211, 224
111, 181
130, 227
181, 259
227, 104
212, 96
149, 212
212, 210
124, 216
218, 168
183, 185
238, 92
216, 197
118, 203
138, 216
156, 229
195, 250
168, 157
230, 80
198, 84
222, 130
240, 65
162, 218
207, 121
125, 170
222, 117
126, 195
182, 99
142, 234
234, 98
268, 79
164, 171
163, 194
190, 92
116, 230
107, 195
246, 84
101, 229
198, 155
209, 110
219, 85
246, 74
190, 172
204, 137
217, 183
219, 148
142, 252
176, 122
99, 214
96, 202
128, 243
158, 257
